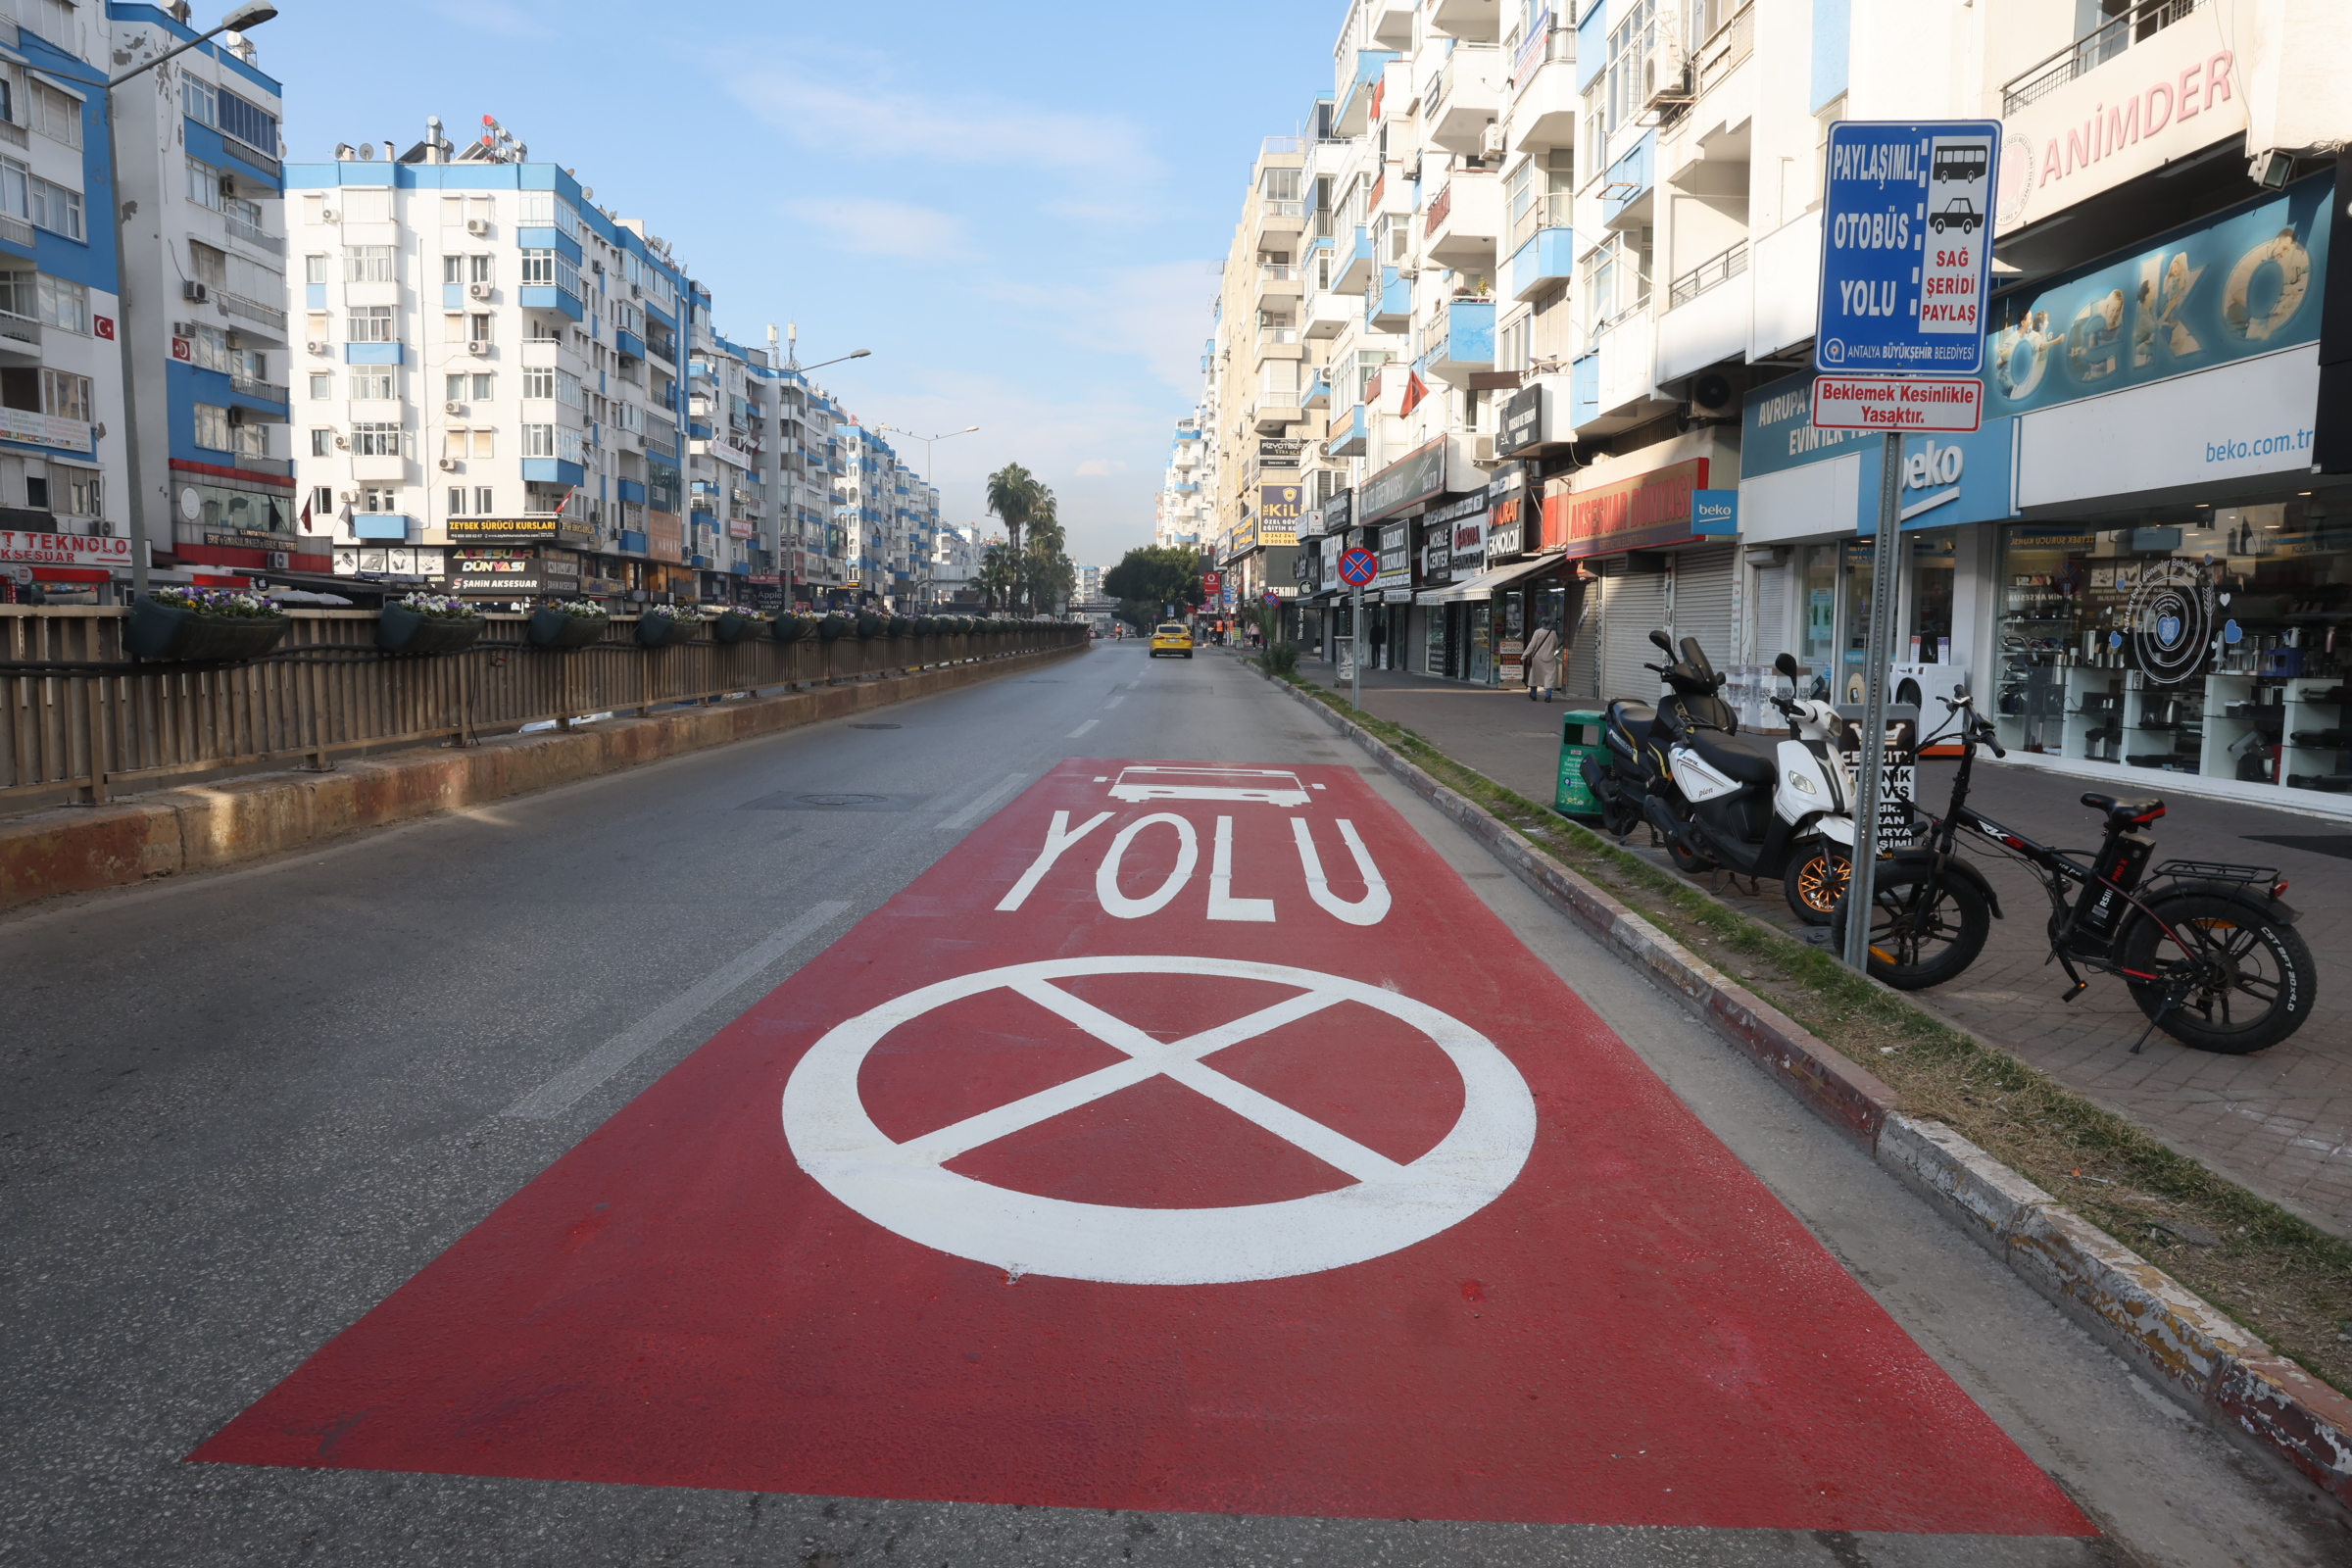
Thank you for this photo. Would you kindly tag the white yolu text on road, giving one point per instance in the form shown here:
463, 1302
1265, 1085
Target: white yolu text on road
1223, 903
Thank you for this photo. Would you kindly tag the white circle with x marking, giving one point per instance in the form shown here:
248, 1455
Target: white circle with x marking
905, 1187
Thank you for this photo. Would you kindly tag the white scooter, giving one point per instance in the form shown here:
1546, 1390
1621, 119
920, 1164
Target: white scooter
1787, 813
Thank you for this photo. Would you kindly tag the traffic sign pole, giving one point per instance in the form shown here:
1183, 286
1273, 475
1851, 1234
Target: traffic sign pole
1355, 657
1861, 888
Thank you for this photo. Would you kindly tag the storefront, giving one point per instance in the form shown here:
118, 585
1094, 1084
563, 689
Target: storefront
225, 517
63, 567
1389, 506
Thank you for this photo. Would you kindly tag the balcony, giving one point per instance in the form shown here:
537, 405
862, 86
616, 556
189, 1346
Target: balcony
1392, 20
1355, 99
1545, 103
1318, 391
1275, 411
364, 353
1353, 266
1464, 223
1333, 313
1461, 340
254, 234
1469, 20
1390, 307
16, 231
1726, 50
1547, 261
1278, 343
628, 344
268, 316
264, 391
1281, 281
1707, 275
2093, 50
1465, 99
1626, 190
553, 472
548, 296
383, 527
1279, 214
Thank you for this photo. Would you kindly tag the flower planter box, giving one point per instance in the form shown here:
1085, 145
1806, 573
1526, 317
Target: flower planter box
731, 627
401, 631
869, 626
902, 625
791, 628
165, 632
552, 629
831, 628
660, 631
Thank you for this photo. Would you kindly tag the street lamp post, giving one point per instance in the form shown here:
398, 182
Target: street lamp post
239, 20
793, 364
930, 476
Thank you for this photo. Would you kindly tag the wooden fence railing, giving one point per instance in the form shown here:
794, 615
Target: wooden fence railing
81, 722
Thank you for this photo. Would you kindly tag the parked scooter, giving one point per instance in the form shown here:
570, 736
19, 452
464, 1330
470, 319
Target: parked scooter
1637, 737
1784, 813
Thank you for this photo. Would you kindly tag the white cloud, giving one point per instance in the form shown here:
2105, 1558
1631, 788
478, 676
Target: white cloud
1100, 467
869, 119
875, 225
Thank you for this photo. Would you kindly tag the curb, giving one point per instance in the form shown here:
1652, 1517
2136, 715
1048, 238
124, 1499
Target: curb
200, 827
2232, 1380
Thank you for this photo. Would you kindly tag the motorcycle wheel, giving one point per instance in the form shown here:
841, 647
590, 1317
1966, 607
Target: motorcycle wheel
2251, 985
1685, 861
1917, 940
1816, 880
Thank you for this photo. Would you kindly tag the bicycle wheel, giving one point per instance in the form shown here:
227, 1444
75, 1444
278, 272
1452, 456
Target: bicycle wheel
2249, 980
1816, 880
1918, 939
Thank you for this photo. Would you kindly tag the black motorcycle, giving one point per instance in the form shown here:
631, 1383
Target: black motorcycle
1638, 737
2209, 950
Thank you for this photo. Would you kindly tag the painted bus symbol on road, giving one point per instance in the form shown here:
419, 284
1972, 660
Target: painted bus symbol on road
906, 1188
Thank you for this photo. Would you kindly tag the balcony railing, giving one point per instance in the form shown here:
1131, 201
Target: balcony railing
1277, 207
254, 234
251, 310
1280, 271
1277, 334
14, 133
1438, 206
1727, 48
16, 230
2094, 49
254, 388
1706, 275
246, 152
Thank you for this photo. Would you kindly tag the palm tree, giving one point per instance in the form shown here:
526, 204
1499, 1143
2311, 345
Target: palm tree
1012, 495
998, 577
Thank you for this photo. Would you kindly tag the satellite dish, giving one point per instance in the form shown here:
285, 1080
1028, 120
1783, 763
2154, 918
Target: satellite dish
366, 151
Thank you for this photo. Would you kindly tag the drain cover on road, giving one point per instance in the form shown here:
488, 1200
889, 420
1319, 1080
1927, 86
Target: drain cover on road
2339, 845
833, 801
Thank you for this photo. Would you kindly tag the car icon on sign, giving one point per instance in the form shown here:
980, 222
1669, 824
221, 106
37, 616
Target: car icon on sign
1267, 784
1959, 213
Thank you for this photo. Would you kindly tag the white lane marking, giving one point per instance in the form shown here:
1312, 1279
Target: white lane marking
1082, 729
1114, 702
564, 1090
965, 817
906, 1189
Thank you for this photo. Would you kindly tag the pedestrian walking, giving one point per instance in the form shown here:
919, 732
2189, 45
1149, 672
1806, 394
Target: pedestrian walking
1542, 658
1380, 641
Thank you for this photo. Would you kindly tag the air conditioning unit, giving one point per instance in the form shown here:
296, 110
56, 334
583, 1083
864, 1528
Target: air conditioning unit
477, 226
479, 291
343, 444
329, 216
1482, 449
233, 339
193, 291
236, 414
598, 268
315, 346
183, 328
477, 346
452, 408
229, 185
449, 464
349, 496
1665, 78
636, 291
281, 560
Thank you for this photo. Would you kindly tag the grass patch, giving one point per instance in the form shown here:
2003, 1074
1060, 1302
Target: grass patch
2278, 1277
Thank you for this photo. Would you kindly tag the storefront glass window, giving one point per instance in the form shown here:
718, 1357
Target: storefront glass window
1854, 653
1818, 580
2205, 640
1933, 558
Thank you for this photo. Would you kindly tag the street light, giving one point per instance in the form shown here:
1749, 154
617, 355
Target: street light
858, 354
930, 476
239, 20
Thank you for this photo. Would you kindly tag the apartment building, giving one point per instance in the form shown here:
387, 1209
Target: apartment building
1570, 282
1187, 490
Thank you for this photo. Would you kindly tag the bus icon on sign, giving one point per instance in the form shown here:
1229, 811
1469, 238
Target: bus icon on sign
1962, 161
1266, 785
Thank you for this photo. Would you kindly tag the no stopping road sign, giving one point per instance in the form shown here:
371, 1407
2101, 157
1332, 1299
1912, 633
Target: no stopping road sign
1358, 567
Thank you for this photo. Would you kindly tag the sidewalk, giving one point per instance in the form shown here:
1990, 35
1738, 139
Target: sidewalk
2279, 1122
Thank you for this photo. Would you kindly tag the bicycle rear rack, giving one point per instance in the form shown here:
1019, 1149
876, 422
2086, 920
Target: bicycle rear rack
2217, 871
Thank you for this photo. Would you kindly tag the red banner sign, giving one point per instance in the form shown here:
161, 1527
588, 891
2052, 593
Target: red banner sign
1641, 513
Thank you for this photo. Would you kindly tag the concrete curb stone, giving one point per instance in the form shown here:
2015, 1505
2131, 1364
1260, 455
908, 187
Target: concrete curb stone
2225, 1377
204, 826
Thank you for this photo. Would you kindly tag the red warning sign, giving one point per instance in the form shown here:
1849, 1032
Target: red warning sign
1188, 1138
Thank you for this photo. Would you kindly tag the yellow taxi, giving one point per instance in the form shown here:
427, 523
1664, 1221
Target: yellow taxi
1172, 637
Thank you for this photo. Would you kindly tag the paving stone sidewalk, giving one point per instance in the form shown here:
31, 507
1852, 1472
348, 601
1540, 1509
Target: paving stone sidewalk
2279, 1121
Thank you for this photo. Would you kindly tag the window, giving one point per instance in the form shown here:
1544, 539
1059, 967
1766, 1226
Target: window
64, 304
20, 294
252, 439
542, 209
375, 438
1631, 63
211, 426
36, 491
372, 323
477, 327
538, 440
545, 267
207, 346
52, 20
65, 395
456, 500
485, 385
368, 263
322, 499
323, 385
469, 443
322, 444
248, 123
477, 269
196, 100
56, 209
371, 382
314, 269
567, 390
54, 113
378, 498
82, 492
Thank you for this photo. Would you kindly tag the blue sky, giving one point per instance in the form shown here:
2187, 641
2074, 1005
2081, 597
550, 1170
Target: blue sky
1018, 206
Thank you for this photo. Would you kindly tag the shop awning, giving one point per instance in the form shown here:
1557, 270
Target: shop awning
1487, 582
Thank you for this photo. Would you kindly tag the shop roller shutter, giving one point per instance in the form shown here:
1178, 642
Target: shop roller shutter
1771, 616
1702, 601
1584, 674
1636, 608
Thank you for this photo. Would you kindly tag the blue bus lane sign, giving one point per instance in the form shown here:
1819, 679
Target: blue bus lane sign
1906, 257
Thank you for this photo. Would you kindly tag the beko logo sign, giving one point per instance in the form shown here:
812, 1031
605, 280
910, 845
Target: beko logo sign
1934, 470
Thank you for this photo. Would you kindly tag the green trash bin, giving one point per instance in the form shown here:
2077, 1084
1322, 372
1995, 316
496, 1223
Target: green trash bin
1580, 738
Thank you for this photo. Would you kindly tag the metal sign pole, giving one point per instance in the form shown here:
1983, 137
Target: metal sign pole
1880, 654
1355, 647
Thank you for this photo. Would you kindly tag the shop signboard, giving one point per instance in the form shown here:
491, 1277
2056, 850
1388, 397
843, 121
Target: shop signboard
665, 535
1641, 513
1506, 510
2234, 286
1457, 532
518, 530
1947, 479
2234, 422
1396, 557
1715, 513
44, 430
1212, 586
1412, 479
1332, 517
1906, 255
22, 547
1327, 566
1278, 509
1275, 452
495, 573
1522, 423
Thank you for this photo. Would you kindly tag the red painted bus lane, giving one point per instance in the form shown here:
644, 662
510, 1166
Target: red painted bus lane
1188, 1138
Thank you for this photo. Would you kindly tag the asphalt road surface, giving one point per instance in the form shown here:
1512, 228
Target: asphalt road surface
1087, 1118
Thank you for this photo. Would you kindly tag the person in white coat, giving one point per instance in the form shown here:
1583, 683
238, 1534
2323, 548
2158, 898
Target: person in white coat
1542, 660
